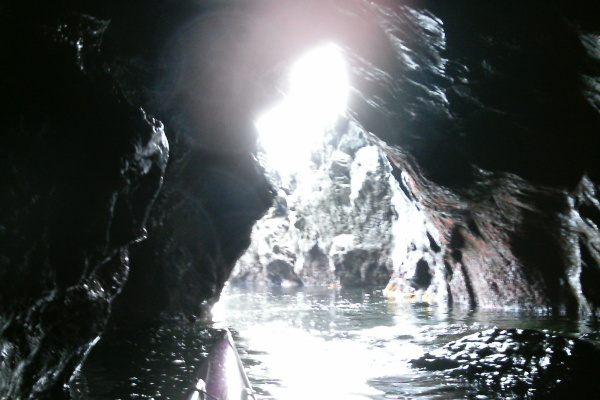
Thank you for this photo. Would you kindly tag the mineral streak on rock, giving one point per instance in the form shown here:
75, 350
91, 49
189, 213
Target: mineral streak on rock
507, 232
446, 105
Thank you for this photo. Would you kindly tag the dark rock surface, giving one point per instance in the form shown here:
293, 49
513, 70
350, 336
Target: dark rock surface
497, 155
80, 169
520, 364
166, 56
198, 228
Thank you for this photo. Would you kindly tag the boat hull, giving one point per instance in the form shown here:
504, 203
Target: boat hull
222, 374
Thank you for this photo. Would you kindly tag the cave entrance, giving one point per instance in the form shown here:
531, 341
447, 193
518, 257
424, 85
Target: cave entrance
316, 96
337, 207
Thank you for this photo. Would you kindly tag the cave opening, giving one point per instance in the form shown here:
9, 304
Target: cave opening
336, 201
439, 237
315, 96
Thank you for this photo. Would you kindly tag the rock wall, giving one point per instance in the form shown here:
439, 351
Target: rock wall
504, 243
496, 155
83, 162
166, 57
494, 159
331, 222
80, 169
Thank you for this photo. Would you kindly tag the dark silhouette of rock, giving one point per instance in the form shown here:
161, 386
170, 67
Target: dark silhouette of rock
520, 363
167, 57
80, 170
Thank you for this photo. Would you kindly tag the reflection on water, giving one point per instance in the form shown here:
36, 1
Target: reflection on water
153, 363
308, 343
320, 343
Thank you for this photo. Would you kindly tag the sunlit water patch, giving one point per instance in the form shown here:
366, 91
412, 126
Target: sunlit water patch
307, 343
321, 343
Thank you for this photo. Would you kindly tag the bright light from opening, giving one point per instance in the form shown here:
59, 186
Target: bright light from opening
318, 95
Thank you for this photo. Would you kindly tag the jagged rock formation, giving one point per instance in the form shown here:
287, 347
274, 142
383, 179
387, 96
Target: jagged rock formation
509, 235
198, 227
519, 364
331, 222
80, 170
490, 156
503, 243
214, 189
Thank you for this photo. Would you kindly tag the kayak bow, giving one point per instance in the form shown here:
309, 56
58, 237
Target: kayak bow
222, 375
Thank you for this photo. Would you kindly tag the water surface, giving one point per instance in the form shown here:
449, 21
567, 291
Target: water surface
321, 343
307, 343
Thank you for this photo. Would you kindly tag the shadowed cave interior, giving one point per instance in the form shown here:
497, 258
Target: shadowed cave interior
461, 173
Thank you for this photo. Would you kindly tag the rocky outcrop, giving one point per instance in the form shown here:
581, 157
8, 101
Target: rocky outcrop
80, 170
197, 229
492, 154
582, 233
214, 189
519, 364
490, 157
331, 222
502, 243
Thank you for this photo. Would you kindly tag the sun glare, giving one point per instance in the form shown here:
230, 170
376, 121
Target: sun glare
317, 97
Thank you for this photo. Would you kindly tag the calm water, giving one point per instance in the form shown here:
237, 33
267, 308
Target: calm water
310, 343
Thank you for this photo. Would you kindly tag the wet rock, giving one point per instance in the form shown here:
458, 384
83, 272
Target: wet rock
501, 242
337, 224
500, 212
165, 57
198, 228
584, 224
492, 142
520, 364
81, 167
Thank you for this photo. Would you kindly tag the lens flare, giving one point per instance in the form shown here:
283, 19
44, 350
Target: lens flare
317, 97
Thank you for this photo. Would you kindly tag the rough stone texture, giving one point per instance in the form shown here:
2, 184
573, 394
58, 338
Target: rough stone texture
501, 249
503, 242
520, 364
583, 225
198, 228
80, 169
331, 222
214, 189
492, 152
490, 155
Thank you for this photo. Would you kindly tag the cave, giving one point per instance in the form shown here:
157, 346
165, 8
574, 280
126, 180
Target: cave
149, 176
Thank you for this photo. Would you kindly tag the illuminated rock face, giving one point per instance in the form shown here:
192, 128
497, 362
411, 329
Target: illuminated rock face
490, 154
331, 223
503, 243
521, 231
